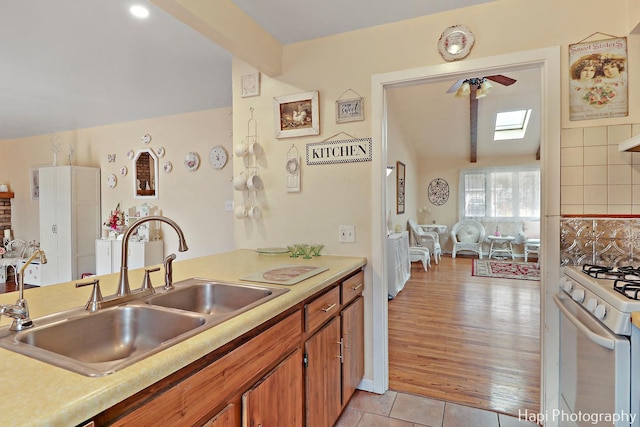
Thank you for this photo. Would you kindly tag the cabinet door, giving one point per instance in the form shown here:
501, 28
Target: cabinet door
323, 376
277, 399
352, 348
103, 257
225, 418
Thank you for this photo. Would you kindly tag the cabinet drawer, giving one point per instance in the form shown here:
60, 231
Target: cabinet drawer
321, 309
352, 287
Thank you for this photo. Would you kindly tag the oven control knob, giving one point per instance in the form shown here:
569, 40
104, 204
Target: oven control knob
578, 295
592, 304
566, 284
601, 311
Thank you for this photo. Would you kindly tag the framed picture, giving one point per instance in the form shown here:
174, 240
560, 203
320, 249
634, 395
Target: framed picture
34, 183
598, 79
250, 85
400, 187
296, 115
349, 110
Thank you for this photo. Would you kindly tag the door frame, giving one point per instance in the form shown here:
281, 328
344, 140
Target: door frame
547, 61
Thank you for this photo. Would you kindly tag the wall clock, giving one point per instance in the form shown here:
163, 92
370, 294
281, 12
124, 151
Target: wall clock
438, 191
455, 42
218, 157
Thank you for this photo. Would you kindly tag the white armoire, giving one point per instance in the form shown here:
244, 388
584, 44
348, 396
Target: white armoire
69, 221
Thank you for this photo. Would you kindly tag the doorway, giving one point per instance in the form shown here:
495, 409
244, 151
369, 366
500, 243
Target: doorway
547, 61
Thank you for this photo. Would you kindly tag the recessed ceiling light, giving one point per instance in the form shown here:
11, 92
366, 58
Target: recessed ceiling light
139, 11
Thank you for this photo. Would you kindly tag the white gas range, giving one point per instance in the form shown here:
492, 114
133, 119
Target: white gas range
599, 349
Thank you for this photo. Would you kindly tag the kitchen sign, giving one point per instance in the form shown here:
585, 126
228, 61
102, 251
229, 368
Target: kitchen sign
343, 151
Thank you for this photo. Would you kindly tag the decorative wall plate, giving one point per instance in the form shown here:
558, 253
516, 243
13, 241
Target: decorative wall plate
112, 181
146, 138
455, 42
124, 171
438, 191
160, 152
130, 154
218, 157
167, 167
192, 161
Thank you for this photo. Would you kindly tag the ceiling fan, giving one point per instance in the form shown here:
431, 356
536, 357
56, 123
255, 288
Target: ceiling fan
499, 78
476, 87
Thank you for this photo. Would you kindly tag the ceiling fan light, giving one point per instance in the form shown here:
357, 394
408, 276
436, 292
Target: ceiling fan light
480, 93
486, 87
464, 90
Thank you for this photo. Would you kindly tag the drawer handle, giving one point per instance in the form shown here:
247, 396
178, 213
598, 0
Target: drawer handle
356, 287
329, 307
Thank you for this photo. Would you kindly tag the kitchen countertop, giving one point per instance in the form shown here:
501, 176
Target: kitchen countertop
40, 394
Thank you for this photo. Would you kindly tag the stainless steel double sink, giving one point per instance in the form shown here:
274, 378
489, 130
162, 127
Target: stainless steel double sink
100, 343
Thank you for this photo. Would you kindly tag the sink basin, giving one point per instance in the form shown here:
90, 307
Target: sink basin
97, 344
214, 298
100, 343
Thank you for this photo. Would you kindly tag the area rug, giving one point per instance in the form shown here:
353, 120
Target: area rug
505, 269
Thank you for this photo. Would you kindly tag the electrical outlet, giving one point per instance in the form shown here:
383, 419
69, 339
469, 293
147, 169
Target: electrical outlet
228, 205
346, 234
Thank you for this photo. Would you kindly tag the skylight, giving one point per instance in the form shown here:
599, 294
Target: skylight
511, 124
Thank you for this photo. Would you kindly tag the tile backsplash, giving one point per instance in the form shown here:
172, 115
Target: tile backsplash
597, 179
603, 241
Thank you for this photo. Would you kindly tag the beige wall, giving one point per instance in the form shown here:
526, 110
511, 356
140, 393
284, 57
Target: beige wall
340, 194
196, 200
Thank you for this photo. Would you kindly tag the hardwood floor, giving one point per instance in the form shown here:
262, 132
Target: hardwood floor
465, 339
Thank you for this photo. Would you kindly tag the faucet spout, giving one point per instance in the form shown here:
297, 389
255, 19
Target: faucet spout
20, 310
123, 283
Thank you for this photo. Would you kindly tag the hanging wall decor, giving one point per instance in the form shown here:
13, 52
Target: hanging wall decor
250, 85
296, 115
349, 110
598, 79
293, 170
438, 191
400, 187
339, 151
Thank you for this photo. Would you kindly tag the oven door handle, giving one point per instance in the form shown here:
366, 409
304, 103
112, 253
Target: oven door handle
598, 339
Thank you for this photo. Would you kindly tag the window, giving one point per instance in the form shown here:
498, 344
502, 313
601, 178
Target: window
511, 125
500, 193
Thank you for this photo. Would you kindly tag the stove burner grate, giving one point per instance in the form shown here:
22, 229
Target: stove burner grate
628, 288
629, 273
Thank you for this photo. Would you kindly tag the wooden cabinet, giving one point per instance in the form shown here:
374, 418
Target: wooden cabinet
323, 393
334, 355
194, 399
69, 221
352, 348
277, 399
290, 371
225, 418
141, 254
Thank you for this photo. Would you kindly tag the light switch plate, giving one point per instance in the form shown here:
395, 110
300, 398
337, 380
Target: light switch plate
346, 234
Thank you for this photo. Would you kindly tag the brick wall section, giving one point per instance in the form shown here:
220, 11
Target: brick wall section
5, 215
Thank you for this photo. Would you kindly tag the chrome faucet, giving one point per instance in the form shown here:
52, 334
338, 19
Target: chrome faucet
123, 282
19, 311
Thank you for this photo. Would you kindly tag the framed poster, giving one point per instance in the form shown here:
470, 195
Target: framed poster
400, 187
598, 79
296, 115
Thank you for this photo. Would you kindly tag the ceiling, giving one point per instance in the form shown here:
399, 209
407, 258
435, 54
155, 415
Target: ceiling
71, 64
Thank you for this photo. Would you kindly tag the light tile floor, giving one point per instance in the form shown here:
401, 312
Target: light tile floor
395, 409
